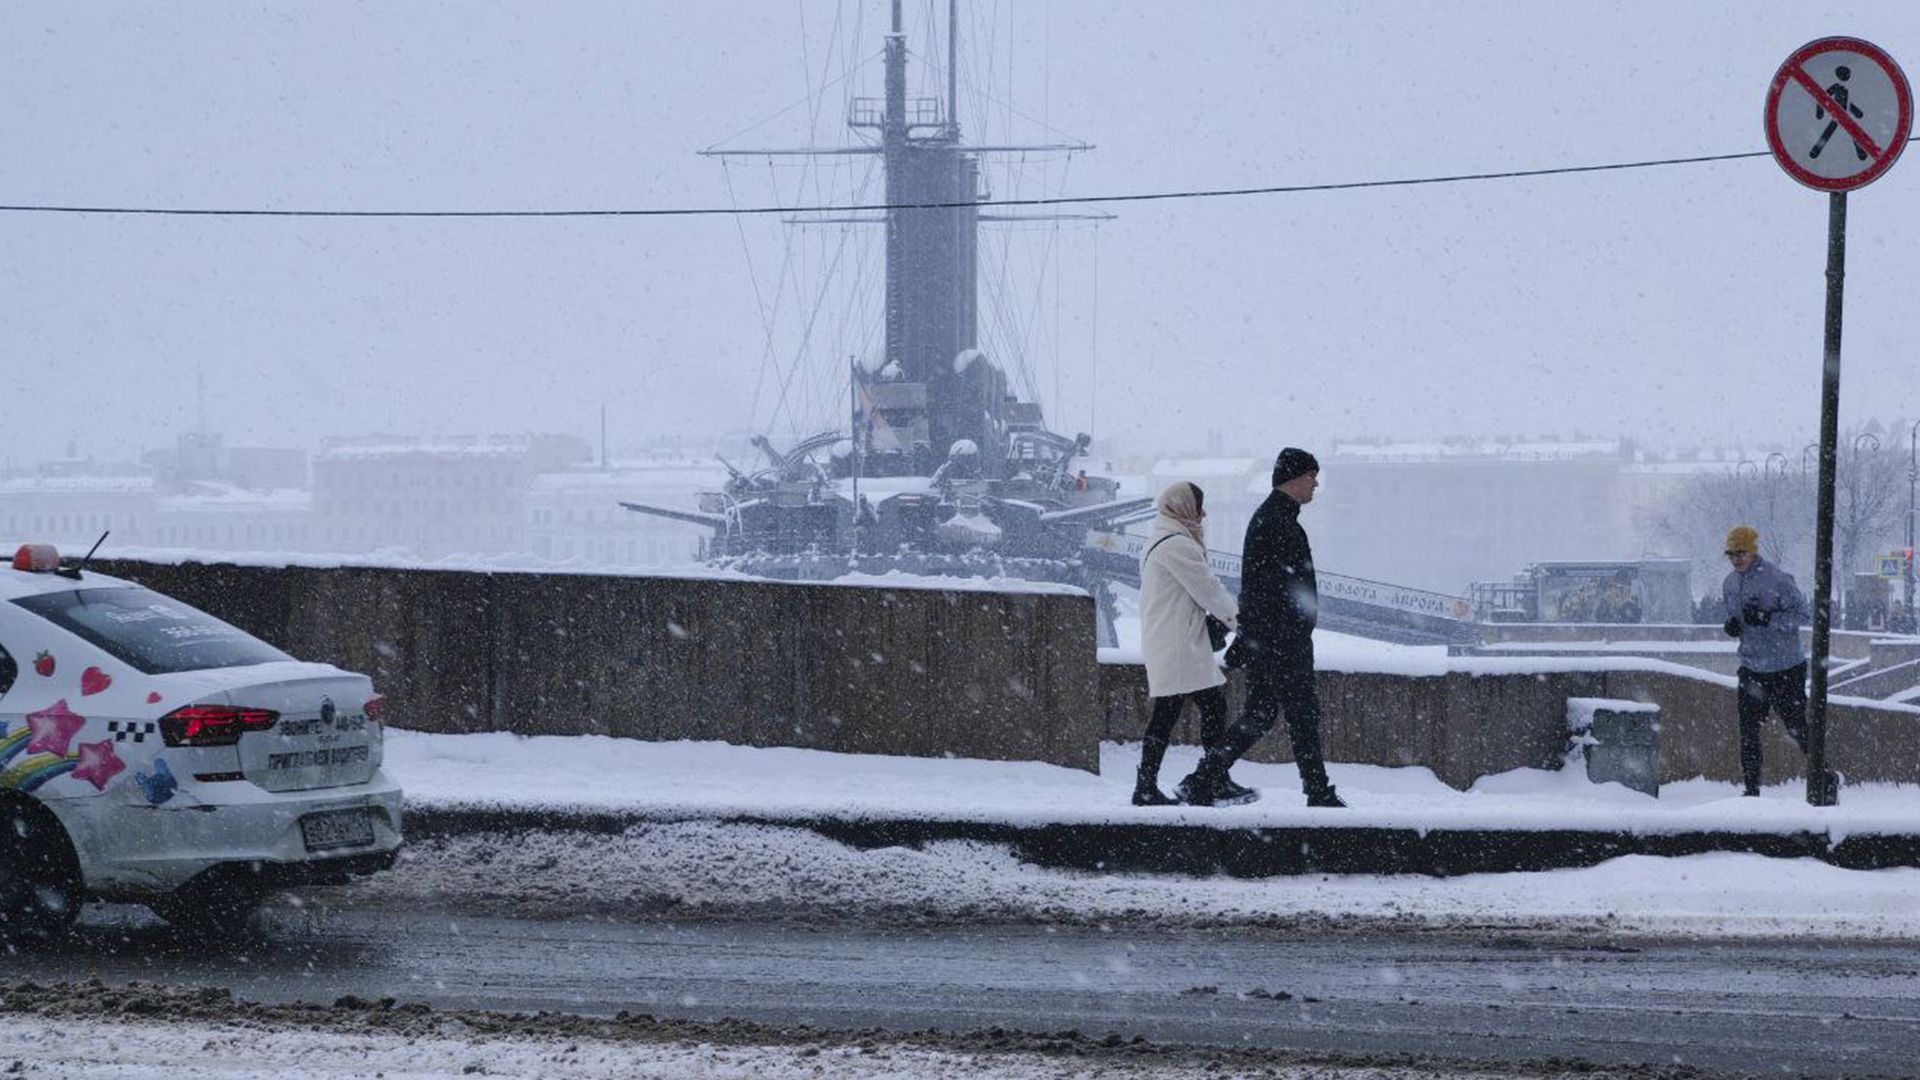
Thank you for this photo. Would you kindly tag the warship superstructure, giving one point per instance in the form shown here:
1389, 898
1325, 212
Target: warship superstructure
942, 468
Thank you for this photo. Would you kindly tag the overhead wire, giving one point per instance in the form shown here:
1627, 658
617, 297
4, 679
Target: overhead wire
1058, 200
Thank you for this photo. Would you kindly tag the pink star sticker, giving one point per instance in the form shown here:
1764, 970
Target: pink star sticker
53, 729
98, 763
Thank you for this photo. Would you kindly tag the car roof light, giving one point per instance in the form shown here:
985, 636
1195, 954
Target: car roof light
36, 558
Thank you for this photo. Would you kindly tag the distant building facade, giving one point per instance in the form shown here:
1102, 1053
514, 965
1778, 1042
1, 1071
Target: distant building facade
432, 497
1446, 514
205, 458
576, 513
1443, 515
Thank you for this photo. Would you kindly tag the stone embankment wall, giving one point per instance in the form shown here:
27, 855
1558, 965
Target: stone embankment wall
923, 672
1464, 726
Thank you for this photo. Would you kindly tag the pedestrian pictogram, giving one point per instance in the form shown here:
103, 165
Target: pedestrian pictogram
1839, 94
1838, 113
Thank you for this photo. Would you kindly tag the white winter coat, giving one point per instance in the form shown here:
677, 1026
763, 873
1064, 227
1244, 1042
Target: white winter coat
1177, 592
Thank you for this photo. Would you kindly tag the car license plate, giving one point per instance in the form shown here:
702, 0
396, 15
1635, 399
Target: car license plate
337, 829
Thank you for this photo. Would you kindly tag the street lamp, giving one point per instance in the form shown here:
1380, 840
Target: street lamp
1810, 448
1773, 486
1740, 478
1872, 442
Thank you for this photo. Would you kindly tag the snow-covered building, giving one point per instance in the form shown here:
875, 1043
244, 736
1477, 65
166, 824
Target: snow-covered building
432, 496
205, 457
1439, 515
212, 516
576, 513
73, 510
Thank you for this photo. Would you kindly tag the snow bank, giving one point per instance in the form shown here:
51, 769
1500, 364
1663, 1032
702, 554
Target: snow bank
712, 870
67, 1049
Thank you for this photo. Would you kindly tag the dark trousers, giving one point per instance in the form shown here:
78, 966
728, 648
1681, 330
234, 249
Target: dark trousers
1166, 713
1271, 690
1761, 692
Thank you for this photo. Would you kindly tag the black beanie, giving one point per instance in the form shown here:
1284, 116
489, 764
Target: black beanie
1293, 462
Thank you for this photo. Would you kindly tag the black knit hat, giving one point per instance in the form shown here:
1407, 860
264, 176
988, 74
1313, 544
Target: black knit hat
1293, 462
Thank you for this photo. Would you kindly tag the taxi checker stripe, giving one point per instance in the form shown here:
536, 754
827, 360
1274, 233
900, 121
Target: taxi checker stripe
1834, 109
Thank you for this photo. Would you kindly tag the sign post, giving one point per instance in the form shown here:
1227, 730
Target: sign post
1838, 114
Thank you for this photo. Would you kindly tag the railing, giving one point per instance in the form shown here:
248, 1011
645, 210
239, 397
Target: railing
1114, 547
872, 112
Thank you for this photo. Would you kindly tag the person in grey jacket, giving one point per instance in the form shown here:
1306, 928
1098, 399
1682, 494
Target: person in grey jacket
1765, 610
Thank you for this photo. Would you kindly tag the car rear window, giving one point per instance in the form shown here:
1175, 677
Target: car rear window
151, 632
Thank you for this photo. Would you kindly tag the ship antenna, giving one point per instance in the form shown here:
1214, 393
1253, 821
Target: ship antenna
857, 436
953, 68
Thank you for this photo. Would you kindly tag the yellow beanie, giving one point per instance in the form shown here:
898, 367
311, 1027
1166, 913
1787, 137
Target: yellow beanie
1743, 538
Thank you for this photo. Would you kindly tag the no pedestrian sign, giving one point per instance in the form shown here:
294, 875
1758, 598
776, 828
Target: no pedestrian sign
1838, 113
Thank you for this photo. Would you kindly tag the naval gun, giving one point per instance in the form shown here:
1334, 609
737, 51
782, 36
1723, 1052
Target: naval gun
1018, 507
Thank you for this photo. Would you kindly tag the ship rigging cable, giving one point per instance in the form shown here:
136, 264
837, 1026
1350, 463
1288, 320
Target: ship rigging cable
1061, 200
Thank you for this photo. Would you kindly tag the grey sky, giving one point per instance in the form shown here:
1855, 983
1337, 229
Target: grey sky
1679, 304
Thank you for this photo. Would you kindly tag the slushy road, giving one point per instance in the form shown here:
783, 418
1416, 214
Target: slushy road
1761, 1006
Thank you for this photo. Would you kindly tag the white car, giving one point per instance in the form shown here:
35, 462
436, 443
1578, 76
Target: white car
150, 752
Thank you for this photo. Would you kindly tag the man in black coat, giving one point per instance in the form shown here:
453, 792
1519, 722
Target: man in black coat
1279, 605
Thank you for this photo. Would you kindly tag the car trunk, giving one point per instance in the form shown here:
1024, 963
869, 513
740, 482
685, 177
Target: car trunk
322, 739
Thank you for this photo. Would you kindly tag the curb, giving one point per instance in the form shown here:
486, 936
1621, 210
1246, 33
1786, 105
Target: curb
1205, 851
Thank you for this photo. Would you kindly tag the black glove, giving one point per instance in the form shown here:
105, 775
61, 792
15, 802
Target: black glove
1732, 627
1239, 652
1755, 616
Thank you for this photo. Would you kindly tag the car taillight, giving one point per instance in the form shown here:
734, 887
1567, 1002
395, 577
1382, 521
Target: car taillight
213, 725
377, 709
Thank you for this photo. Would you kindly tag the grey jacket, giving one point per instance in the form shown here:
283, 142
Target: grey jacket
1772, 592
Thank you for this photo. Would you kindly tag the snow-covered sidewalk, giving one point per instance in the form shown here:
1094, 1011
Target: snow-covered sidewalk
684, 860
704, 780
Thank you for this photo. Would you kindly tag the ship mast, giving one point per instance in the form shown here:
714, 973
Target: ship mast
932, 397
932, 228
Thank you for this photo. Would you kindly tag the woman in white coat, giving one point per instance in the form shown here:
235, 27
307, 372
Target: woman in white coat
1177, 593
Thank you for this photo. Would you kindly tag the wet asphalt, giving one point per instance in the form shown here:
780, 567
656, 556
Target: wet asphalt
1810, 1008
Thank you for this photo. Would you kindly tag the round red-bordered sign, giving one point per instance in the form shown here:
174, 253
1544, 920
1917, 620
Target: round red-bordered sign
1838, 113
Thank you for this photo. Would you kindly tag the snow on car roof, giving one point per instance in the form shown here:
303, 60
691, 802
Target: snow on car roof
15, 584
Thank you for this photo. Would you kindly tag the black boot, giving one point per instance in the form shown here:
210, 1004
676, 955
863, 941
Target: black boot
1202, 786
1147, 781
1195, 790
1148, 794
1326, 797
1228, 793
